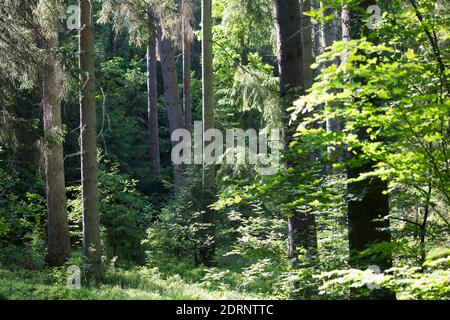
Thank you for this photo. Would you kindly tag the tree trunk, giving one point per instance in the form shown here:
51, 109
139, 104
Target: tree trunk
329, 37
58, 226
368, 225
209, 171
368, 207
152, 99
92, 250
317, 29
290, 54
171, 94
307, 45
187, 100
301, 227
329, 29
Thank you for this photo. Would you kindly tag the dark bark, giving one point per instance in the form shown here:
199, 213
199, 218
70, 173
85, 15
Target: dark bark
368, 206
171, 94
301, 228
92, 250
58, 226
368, 225
307, 45
290, 54
152, 100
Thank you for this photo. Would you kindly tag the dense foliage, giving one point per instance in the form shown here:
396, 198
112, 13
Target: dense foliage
389, 89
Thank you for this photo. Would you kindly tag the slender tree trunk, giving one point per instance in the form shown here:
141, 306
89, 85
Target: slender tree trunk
345, 17
301, 227
209, 171
187, 100
317, 29
92, 250
152, 98
368, 207
58, 226
171, 94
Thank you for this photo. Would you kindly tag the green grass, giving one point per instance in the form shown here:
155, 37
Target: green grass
136, 284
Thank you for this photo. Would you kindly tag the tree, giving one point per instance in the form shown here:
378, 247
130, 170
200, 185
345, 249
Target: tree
209, 170
169, 72
152, 96
92, 250
58, 227
368, 207
187, 12
301, 226
307, 45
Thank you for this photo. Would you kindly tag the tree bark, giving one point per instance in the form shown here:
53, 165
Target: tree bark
329, 37
209, 171
368, 207
92, 250
187, 100
290, 54
301, 227
317, 29
58, 226
152, 99
171, 94
307, 45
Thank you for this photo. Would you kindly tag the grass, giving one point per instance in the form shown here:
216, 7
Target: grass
135, 284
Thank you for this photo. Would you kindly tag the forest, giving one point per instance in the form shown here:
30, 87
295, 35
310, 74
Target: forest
224, 150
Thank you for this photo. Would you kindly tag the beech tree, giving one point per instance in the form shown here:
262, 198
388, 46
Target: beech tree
301, 226
368, 209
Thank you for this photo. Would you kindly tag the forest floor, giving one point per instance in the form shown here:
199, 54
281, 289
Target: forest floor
136, 284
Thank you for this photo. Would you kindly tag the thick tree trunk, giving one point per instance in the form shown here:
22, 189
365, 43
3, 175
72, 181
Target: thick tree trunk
171, 94
301, 228
152, 99
187, 100
329, 29
58, 227
307, 44
209, 171
290, 54
92, 250
368, 207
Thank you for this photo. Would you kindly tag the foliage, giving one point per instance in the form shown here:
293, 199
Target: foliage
123, 216
23, 224
134, 284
